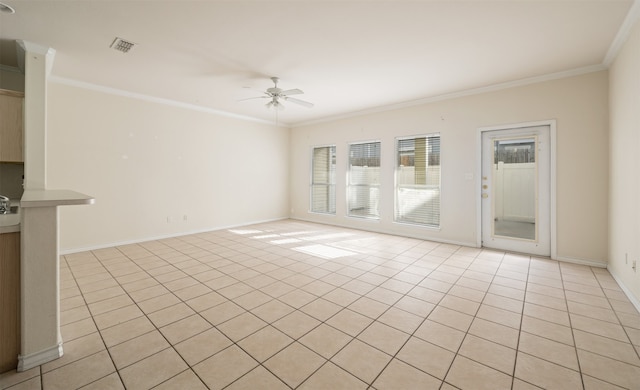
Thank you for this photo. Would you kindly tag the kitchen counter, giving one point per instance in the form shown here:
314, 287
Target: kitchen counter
51, 198
10, 223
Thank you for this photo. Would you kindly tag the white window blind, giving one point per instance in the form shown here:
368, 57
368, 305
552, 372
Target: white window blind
323, 180
418, 180
363, 192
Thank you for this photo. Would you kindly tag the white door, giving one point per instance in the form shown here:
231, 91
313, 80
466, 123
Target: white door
516, 190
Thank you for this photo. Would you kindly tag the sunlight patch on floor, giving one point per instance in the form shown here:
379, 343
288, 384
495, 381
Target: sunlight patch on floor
323, 251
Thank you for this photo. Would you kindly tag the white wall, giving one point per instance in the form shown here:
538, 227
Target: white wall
624, 183
145, 162
579, 104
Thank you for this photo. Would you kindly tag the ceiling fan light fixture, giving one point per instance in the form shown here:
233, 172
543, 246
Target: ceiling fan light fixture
275, 104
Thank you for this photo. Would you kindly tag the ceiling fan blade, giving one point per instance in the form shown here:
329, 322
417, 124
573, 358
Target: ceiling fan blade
300, 102
290, 92
251, 98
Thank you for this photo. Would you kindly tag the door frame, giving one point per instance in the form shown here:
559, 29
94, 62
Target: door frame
552, 177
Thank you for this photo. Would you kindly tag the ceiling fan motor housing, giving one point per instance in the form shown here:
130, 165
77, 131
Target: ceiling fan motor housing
275, 94
275, 91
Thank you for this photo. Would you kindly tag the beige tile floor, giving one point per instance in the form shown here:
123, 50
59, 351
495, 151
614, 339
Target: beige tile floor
299, 305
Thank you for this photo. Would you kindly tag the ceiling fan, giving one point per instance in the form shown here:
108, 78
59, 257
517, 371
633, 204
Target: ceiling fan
276, 96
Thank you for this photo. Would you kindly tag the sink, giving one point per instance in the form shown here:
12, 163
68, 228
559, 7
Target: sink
7, 221
12, 210
10, 220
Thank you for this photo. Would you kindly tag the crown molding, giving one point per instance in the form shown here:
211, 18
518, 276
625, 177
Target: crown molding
157, 100
459, 94
623, 33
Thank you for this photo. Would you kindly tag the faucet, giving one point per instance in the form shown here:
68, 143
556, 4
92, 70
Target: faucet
5, 205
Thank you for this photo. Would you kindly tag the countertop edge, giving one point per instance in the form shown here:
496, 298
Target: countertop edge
10, 229
52, 198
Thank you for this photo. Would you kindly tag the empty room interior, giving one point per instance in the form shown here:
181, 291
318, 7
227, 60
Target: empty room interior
319, 194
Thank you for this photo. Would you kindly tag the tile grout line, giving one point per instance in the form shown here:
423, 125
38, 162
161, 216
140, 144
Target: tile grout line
321, 323
426, 317
573, 336
365, 328
571, 328
241, 256
248, 311
96, 326
336, 288
466, 333
524, 300
626, 332
171, 345
316, 298
418, 327
146, 315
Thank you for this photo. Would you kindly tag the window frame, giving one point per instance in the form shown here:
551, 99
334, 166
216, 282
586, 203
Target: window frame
396, 187
312, 183
349, 185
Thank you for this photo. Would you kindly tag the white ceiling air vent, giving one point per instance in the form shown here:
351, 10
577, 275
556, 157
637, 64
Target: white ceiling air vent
122, 45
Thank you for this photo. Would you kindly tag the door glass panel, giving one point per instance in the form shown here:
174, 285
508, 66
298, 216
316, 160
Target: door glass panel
514, 188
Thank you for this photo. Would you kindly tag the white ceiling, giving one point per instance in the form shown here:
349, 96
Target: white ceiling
347, 56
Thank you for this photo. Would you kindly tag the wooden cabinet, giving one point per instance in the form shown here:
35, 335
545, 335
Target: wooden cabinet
11, 133
9, 301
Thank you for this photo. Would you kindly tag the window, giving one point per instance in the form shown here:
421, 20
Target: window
363, 192
323, 180
418, 180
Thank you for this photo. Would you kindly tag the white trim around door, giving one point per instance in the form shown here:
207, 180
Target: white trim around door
552, 177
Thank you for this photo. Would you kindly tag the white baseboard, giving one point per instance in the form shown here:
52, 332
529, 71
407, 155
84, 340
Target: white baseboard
27, 362
634, 301
590, 263
383, 231
69, 251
